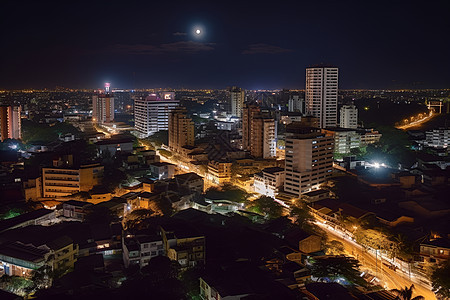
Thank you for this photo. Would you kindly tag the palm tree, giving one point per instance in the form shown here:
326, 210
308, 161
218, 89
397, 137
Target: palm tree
406, 294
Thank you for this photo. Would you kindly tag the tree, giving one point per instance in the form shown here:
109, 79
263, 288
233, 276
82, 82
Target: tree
302, 217
335, 248
15, 284
42, 277
337, 267
135, 218
267, 206
99, 215
441, 280
406, 293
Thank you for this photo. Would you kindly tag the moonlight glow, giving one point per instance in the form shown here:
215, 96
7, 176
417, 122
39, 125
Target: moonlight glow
198, 31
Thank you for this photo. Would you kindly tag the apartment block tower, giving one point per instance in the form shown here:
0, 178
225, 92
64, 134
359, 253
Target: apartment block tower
237, 98
296, 104
181, 129
151, 113
103, 106
348, 117
321, 94
10, 123
309, 158
258, 132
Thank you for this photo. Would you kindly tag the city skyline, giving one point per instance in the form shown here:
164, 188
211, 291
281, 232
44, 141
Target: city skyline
375, 46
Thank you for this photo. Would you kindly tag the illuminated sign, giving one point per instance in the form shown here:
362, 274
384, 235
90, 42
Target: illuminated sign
167, 97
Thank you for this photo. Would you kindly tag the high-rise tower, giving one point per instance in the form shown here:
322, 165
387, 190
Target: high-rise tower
103, 106
321, 94
181, 129
237, 97
348, 117
10, 123
151, 113
309, 158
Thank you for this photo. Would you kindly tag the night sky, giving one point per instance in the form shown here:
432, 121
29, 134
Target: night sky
376, 44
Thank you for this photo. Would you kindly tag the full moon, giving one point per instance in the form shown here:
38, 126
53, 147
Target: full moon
198, 31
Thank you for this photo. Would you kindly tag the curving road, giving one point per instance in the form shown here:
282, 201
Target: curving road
389, 278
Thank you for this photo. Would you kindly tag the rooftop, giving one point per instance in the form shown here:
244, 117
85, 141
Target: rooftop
35, 214
273, 170
188, 176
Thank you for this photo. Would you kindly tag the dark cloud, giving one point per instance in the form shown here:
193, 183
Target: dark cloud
262, 48
179, 33
189, 47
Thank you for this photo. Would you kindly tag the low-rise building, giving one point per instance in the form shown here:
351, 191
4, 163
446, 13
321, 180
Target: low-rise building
37, 217
268, 181
437, 138
162, 170
32, 188
139, 250
184, 245
60, 181
20, 259
369, 136
344, 140
75, 209
219, 172
435, 251
117, 143
191, 180
316, 195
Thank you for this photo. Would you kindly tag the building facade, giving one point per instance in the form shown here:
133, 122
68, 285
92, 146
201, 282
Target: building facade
162, 170
437, 138
151, 113
344, 140
258, 133
65, 181
10, 123
219, 172
103, 106
296, 104
321, 94
237, 98
309, 159
269, 181
348, 116
181, 129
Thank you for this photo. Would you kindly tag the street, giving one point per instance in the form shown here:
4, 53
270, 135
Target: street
390, 279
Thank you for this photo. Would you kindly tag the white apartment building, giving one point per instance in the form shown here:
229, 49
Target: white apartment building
296, 104
344, 139
269, 181
237, 98
437, 138
321, 94
309, 159
151, 114
348, 117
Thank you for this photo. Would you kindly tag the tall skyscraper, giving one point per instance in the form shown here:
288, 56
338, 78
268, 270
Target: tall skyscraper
237, 98
10, 123
258, 132
348, 116
249, 112
103, 106
151, 113
181, 129
321, 94
309, 158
